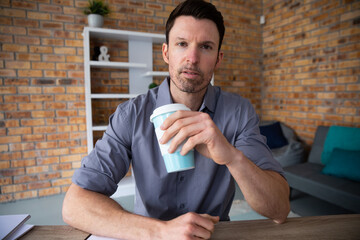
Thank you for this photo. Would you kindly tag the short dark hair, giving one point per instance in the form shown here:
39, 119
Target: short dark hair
198, 9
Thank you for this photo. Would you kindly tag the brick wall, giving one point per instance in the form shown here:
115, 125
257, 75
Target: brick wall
311, 64
42, 107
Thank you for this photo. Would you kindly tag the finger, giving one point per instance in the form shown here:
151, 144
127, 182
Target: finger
176, 126
183, 134
175, 116
214, 219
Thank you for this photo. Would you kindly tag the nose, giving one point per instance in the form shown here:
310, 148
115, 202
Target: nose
192, 55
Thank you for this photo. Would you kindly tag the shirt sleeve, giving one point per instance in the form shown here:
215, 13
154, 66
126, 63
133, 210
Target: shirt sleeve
251, 142
110, 159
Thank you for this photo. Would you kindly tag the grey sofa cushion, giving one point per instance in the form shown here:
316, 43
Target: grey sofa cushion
293, 152
318, 145
307, 177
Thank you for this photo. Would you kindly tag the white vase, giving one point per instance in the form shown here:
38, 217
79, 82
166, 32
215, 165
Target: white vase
95, 20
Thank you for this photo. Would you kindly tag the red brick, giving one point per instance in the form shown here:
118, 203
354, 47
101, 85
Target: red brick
12, 172
40, 49
22, 163
4, 164
49, 191
26, 179
57, 136
21, 146
6, 197
13, 188
47, 160
5, 181
60, 182
9, 139
25, 195
50, 175
17, 13
42, 114
19, 131
32, 122
63, 166
44, 129
37, 169
38, 15
25, 22
56, 121
30, 106
7, 73
43, 65
7, 90
54, 90
30, 73
16, 98
33, 137
39, 185
65, 50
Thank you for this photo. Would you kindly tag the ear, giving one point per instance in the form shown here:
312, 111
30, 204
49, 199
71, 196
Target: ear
219, 59
165, 53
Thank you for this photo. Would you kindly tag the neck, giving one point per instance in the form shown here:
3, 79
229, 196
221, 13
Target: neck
191, 100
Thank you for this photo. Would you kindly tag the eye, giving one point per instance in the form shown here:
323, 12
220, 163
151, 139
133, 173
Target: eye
182, 44
206, 47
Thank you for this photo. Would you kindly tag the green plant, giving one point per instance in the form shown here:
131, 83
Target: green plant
97, 7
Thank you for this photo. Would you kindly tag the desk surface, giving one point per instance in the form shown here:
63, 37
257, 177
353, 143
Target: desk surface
320, 227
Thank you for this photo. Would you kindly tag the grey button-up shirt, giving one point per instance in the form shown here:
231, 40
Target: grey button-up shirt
130, 139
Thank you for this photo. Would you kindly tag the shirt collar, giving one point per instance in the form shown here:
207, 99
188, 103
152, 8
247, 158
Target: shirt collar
164, 97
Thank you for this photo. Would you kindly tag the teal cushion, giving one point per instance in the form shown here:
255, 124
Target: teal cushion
344, 163
340, 137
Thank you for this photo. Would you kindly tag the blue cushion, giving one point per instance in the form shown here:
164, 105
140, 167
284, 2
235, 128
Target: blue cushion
274, 135
344, 163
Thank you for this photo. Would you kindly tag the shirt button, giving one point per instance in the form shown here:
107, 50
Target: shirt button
182, 178
182, 206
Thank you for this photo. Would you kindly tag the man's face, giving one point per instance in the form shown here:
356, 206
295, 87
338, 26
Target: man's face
192, 53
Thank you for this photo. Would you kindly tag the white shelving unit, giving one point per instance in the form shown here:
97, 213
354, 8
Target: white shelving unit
140, 66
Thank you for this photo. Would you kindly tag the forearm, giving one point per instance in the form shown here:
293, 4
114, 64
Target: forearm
100, 215
267, 192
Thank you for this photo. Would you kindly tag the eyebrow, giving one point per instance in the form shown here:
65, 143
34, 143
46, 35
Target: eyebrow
204, 42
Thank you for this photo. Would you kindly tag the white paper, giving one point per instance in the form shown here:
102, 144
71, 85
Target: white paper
9, 224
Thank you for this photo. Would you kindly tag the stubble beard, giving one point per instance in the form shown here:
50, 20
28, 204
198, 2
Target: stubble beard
189, 85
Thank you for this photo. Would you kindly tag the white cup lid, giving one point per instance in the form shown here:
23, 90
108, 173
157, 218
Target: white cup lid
168, 108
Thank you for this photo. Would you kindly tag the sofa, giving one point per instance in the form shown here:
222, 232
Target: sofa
337, 180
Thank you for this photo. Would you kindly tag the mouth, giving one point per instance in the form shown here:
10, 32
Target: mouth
190, 73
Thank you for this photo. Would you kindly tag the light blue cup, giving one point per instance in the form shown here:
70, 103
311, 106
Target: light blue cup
174, 162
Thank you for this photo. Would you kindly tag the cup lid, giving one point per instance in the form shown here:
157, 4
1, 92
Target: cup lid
168, 108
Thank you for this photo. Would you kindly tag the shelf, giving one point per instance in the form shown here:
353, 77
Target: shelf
99, 128
140, 68
114, 34
156, 73
112, 95
103, 64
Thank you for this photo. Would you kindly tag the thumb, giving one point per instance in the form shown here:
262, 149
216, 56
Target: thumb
214, 219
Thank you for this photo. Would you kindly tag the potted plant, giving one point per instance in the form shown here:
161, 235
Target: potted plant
96, 10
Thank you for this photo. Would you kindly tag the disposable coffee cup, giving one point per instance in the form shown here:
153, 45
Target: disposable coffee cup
174, 162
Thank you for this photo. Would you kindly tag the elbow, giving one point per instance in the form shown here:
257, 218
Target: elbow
66, 213
69, 207
283, 214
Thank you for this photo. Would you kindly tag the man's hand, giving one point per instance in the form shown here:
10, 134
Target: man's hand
202, 134
190, 226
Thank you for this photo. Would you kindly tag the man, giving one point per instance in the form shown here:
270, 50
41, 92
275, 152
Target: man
222, 127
